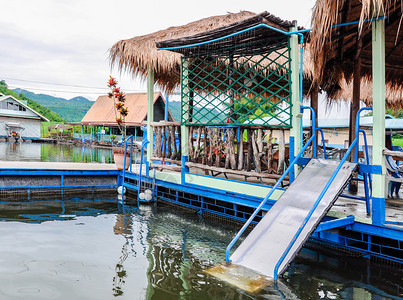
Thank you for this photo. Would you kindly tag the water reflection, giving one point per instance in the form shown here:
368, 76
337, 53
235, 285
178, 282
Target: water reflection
56, 153
123, 226
100, 249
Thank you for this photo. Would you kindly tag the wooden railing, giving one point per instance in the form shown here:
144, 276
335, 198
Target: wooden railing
244, 151
167, 144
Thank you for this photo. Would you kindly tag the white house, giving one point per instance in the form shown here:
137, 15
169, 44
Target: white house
17, 117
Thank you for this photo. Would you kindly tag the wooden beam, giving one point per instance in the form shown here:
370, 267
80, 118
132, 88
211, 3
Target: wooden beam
167, 167
235, 172
172, 161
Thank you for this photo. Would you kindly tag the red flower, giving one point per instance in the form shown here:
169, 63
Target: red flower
112, 82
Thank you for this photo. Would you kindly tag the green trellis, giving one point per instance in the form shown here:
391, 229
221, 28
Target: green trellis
243, 85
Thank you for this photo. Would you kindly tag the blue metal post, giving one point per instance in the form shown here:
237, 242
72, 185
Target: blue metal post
184, 169
166, 107
357, 125
292, 156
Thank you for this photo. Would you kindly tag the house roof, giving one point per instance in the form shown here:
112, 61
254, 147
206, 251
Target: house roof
102, 112
37, 115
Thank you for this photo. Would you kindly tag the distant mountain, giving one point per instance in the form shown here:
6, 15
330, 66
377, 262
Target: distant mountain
72, 110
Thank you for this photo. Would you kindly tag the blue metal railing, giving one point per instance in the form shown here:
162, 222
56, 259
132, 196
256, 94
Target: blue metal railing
357, 130
290, 167
291, 244
143, 145
323, 141
355, 144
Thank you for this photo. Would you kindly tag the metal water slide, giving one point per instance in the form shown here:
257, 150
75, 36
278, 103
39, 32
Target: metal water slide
267, 244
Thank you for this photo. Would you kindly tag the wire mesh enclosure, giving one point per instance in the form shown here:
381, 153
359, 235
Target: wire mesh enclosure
246, 84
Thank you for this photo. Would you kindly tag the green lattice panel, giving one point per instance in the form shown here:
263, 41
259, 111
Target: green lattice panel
251, 88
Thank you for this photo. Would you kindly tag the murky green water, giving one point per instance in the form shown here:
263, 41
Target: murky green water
97, 249
54, 153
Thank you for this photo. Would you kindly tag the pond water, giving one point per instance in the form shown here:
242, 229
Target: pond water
54, 153
95, 248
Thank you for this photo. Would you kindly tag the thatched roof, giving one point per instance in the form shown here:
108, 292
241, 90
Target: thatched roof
393, 95
257, 36
334, 48
133, 55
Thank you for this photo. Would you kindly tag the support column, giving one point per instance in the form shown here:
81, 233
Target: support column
315, 105
296, 130
185, 116
150, 111
378, 75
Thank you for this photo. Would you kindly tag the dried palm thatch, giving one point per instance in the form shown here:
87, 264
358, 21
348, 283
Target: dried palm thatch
135, 54
335, 47
393, 95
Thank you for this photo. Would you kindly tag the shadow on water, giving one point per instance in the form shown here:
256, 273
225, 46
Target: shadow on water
156, 253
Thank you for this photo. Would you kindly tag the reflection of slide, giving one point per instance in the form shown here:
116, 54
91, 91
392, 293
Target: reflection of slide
267, 242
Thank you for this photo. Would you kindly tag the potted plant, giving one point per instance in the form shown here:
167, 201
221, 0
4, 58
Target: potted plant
119, 98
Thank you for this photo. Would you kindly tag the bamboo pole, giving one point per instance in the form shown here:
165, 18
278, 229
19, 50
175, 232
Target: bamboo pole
169, 141
164, 141
197, 147
204, 155
157, 149
281, 152
232, 148
258, 164
240, 151
218, 149
270, 152
210, 154
190, 142
250, 150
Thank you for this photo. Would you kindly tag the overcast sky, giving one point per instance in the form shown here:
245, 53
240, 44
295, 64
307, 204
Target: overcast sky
66, 42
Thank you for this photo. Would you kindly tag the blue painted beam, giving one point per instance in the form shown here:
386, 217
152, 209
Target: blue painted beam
56, 186
373, 169
230, 197
335, 223
4, 172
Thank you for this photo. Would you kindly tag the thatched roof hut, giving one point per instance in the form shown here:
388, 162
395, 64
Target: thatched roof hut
335, 48
135, 54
